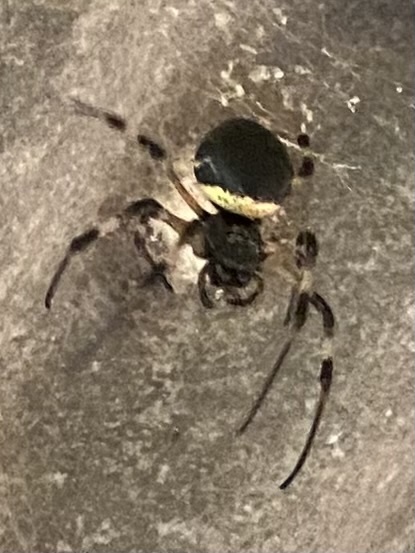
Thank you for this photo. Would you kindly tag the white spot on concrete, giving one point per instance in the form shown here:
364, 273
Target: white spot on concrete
337, 452
333, 438
247, 48
260, 32
281, 18
222, 20
310, 404
112, 425
162, 475
172, 526
106, 524
352, 103
235, 90
260, 73
239, 91
223, 100
388, 413
105, 534
57, 478
265, 73
287, 98
277, 73
301, 70
63, 547
308, 114
326, 52
226, 75
80, 524
303, 128
173, 11
95, 367
13, 59
400, 421
386, 480
399, 89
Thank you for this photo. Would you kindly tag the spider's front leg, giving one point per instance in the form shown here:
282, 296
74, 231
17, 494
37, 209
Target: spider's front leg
140, 212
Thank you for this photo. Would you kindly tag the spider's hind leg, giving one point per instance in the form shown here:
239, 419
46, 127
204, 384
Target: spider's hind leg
326, 372
302, 296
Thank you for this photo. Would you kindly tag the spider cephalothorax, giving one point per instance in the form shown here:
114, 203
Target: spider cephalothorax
234, 252
246, 172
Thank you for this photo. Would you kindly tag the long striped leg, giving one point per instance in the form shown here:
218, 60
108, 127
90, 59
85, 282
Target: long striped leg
306, 253
156, 151
301, 298
326, 371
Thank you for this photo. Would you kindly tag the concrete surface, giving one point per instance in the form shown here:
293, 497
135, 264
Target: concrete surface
118, 408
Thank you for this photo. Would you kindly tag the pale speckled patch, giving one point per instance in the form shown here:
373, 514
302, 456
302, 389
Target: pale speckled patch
265, 73
222, 19
281, 17
307, 112
352, 103
248, 48
301, 70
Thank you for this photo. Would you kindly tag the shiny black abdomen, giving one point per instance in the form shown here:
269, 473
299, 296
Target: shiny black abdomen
245, 158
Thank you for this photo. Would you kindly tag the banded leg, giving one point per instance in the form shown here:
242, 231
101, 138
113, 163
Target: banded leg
157, 152
141, 211
300, 317
306, 253
301, 298
326, 372
307, 166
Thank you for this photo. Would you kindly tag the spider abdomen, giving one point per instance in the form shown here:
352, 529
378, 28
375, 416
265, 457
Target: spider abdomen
244, 168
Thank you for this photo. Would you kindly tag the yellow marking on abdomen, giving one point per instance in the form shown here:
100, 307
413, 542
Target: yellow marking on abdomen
241, 205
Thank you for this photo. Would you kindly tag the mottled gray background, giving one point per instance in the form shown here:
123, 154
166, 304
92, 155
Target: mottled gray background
118, 408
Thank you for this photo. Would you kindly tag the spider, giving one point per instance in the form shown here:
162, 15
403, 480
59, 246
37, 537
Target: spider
245, 171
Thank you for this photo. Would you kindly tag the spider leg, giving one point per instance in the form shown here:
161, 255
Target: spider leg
202, 281
300, 317
140, 211
232, 293
156, 151
158, 270
307, 165
301, 298
77, 245
306, 253
326, 372
233, 296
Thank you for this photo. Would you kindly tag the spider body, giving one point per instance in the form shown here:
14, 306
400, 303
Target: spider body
234, 250
235, 244
242, 167
246, 172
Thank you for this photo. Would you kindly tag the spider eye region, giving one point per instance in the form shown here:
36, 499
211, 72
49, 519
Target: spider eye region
243, 168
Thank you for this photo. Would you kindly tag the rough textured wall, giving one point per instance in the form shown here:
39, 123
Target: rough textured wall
118, 408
